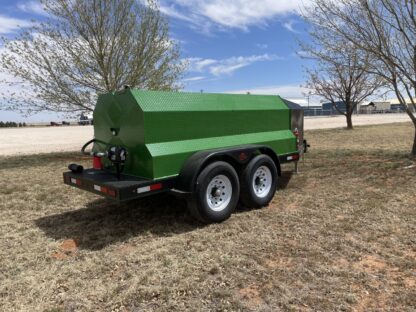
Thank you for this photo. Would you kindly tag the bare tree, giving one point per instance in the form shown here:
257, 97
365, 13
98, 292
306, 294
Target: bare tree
88, 47
386, 31
339, 73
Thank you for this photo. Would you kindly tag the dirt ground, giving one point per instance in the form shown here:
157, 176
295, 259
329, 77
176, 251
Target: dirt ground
339, 236
312, 123
25, 141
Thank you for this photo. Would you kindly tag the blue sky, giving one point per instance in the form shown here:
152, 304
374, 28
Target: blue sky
231, 45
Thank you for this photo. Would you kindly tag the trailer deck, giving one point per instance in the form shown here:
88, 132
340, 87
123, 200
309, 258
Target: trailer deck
106, 183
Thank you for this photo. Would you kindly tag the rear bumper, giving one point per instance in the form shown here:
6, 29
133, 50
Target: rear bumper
106, 184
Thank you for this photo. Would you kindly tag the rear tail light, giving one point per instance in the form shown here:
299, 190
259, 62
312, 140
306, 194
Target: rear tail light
293, 157
73, 181
153, 187
111, 192
105, 190
296, 132
96, 162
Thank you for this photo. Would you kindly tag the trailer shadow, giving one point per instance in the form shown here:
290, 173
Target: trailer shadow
284, 179
102, 223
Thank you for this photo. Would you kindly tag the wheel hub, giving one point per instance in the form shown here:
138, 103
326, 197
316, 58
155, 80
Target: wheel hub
259, 181
262, 181
216, 192
219, 193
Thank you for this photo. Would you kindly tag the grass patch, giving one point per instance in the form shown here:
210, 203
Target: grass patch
341, 235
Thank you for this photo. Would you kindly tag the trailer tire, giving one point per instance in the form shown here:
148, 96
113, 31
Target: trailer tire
258, 181
216, 193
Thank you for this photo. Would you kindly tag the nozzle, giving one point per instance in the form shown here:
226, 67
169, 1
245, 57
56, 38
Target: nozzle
76, 168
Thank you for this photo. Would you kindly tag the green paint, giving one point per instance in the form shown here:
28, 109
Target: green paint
160, 130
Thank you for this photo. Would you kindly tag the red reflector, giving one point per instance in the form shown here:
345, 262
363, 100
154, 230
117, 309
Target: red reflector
155, 187
96, 163
111, 192
242, 156
104, 190
295, 156
79, 182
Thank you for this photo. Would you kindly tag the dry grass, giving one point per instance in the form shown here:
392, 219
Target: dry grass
341, 235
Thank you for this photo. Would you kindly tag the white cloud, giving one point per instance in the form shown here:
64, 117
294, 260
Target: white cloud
242, 14
229, 65
289, 25
10, 24
302, 53
197, 78
32, 6
197, 64
262, 46
172, 12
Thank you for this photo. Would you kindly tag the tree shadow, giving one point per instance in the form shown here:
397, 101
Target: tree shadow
101, 222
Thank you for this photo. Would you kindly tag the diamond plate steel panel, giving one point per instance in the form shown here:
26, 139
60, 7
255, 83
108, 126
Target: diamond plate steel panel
161, 129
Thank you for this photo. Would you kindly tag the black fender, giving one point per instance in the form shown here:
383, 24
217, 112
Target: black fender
236, 156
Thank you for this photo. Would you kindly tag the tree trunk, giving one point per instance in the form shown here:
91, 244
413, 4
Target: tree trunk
349, 121
413, 153
409, 112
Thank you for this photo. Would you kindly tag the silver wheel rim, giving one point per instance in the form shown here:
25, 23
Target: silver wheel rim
262, 181
219, 193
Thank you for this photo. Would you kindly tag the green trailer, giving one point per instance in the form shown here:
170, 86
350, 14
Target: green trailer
212, 149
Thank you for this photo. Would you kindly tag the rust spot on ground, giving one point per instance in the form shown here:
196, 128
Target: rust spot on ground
251, 296
341, 263
410, 254
58, 255
350, 237
126, 249
377, 302
370, 264
372, 189
67, 249
410, 282
284, 262
292, 206
69, 245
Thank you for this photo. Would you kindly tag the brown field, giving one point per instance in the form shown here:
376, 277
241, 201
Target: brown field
339, 236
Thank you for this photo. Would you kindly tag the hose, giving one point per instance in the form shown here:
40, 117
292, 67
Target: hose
85, 146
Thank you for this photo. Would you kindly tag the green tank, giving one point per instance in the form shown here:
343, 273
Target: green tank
214, 150
161, 130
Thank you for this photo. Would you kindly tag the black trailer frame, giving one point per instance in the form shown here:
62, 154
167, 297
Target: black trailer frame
105, 183
127, 187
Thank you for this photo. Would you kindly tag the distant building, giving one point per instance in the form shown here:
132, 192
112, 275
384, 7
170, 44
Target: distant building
309, 108
387, 106
396, 106
375, 107
85, 119
372, 107
329, 109
315, 110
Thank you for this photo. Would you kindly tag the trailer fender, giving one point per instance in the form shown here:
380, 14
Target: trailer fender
236, 156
